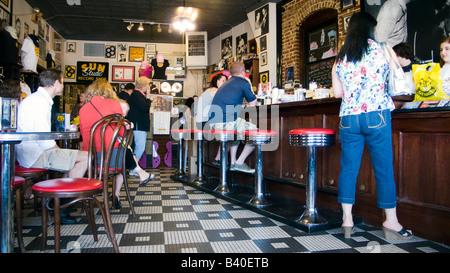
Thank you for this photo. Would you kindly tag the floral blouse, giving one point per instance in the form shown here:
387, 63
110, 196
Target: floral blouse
365, 82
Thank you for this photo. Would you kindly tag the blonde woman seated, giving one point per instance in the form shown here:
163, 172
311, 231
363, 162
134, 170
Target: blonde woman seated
101, 100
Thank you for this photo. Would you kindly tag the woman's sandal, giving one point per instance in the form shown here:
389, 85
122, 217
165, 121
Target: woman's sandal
150, 177
348, 231
390, 234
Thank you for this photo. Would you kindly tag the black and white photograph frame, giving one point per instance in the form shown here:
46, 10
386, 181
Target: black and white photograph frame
263, 43
262, 20
122, 57
150, 48
71, 47
264, 58
345, 21
346, 4
241, 44
227, 47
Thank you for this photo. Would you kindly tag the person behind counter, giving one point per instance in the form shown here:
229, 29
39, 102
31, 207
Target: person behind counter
232, 93
445, 64
405, 58
359, 78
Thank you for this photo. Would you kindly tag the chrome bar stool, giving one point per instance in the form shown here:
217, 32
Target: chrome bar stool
311, 138
198, 135
258, 138
223, 136
179, 135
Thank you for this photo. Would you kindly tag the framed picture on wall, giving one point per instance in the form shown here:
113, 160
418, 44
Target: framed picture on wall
123, 73
136, 54
227, 48
71, 47
264, 58
6, 5
122, 57
345, 4
345, 20
241, 44
264, 77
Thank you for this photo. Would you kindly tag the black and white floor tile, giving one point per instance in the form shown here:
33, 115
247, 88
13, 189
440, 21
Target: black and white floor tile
172, 217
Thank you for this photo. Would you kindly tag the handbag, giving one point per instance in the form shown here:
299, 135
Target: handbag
397, 84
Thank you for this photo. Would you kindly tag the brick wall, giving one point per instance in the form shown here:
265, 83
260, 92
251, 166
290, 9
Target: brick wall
295, 13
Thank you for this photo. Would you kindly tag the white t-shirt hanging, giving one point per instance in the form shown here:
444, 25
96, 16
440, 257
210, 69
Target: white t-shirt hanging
29, 57
445, 76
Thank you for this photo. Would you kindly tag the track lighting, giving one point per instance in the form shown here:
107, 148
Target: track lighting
141, 27
159, 28
130, 26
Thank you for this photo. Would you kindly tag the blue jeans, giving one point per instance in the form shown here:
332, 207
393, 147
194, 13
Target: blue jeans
374, 129
140, 139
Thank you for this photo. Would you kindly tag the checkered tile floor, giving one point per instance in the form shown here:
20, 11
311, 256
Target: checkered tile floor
175, 218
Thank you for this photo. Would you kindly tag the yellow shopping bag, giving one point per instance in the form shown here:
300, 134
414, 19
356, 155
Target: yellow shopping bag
428, 82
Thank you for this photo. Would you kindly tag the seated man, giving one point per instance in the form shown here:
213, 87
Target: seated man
35, 116
226, 107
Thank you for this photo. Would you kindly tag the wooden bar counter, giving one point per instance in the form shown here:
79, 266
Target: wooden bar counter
421, 145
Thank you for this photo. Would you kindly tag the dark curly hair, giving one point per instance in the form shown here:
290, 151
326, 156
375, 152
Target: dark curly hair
11, 89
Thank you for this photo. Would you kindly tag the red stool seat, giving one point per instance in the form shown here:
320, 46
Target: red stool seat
18, 180
68, 185
180, 131
260, 133
20, 169
312, 131
223, 132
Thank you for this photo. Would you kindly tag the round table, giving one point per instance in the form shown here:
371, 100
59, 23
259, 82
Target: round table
7, 145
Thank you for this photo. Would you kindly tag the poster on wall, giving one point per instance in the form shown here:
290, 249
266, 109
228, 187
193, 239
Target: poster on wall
262, 21
241, 44
136, 54
322, 43
91, 71
6, 4
123, 73
421, 23
227, 48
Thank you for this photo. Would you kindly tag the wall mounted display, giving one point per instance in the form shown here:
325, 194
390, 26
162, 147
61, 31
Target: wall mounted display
345, 4
110, 51
262, 20
123, 73
227, 48
122, 57
57, 47
71, 47
322, 43
69, 72
241, 44
136, 54
423, 33
90, 71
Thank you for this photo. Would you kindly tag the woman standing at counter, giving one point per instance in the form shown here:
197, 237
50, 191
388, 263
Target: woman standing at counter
445, 64
359, 77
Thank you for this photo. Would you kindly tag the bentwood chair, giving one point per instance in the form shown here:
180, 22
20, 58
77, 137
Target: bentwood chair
87, 189
120, 157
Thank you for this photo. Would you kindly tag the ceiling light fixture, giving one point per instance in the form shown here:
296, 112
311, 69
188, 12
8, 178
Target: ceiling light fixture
141, 27
170, 29
159, 28
185, 18
130, 26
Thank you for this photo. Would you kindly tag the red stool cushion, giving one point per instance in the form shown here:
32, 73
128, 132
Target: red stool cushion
223, 132
18, 180
20, 169
312, 131
260, 133
68, 185
194, 131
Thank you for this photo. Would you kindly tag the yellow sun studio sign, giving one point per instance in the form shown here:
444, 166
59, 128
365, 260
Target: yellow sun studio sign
91, 71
